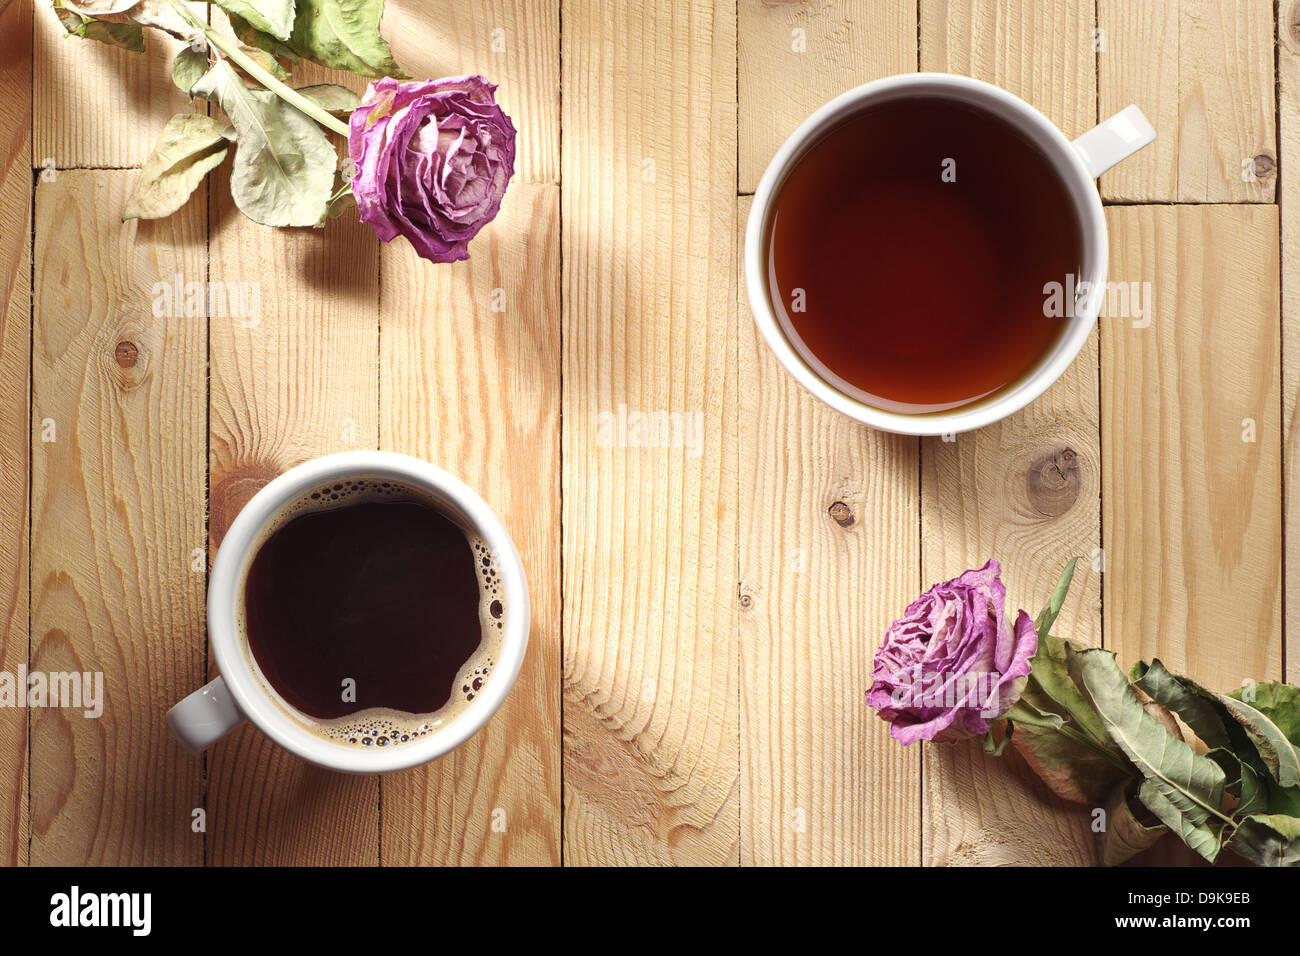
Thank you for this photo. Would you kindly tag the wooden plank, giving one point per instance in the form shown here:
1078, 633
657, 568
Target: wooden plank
1025, 490
829, 551
291, 380
1040, 50
117, 507
651, 748
15, 386
820, 780
795, 56
515, 43
1203, 74
1190, 421
1288, 86
470, 380
96, 105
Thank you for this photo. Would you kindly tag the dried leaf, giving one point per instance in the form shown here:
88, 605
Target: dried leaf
1182, 788
191, 145
283, 171
1125, 835
188, 68
274, 17
1268, 840
331, 97
343, 35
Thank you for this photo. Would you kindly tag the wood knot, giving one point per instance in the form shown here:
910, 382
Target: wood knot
126, 356
1264, 166
842, 514
1054, 482
127, 353
746, 601
231, 492
1293, 23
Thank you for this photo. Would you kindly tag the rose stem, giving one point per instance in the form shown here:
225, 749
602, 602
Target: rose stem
263, 76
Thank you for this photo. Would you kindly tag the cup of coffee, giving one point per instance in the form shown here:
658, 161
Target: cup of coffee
367, 611
927, 253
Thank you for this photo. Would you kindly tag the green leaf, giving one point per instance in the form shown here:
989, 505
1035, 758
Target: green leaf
1047, 616
1277, 752
191, 145
1180, 813
1125, 835
1268, 840
1025, 714
1061, 736
188, 67
273, 17
1182, 788
1252, 790
1169, 691
128, 36
284, 166
1284, 800
344, 35
331, 97
1051, 689
1278, 702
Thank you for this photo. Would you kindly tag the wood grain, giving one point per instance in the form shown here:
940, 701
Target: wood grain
1024, 490
1006, 42
829, 551
117, 510
15, 424
97, 105
1288, 91
829, 527
1202, 73
299, 381
470, 380
793, 57
1193, 517
514, 43
651, 746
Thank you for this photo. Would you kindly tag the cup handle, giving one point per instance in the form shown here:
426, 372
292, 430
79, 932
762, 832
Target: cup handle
205, 716
1114, 139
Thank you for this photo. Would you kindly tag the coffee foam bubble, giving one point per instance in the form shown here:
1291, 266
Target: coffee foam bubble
377, 726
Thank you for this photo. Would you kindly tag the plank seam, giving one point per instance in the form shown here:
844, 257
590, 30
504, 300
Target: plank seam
1281, 319
559, 14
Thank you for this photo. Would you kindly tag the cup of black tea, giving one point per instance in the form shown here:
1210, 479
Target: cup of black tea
927, 253
367, 611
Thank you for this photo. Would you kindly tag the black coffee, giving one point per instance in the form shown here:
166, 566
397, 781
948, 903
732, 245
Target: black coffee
368, 604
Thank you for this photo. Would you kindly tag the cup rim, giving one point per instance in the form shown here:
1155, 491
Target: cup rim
1069, 166
252, 698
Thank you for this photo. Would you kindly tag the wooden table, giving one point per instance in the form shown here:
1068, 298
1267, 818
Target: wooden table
704, 618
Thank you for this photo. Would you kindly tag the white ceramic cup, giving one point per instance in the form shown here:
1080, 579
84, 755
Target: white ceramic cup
241, 693
1077, 163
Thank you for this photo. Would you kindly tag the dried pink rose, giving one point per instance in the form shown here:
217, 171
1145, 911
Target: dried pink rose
953, 663
433, 159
